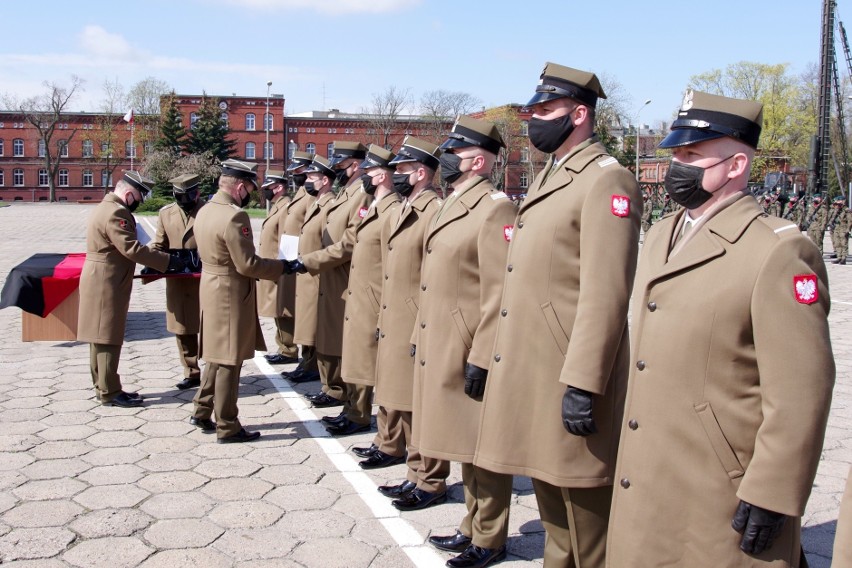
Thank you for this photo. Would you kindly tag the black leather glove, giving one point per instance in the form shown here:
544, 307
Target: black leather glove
296, 266
758, 526
190, 257
413, 351
148, 271
474, 380
176, 264
577, 412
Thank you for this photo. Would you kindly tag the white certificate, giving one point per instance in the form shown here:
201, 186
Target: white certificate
288, 248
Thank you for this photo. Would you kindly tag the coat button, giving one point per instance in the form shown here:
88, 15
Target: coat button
346, 318
384, 307
390, 247
652, 306
633, 424
640, 365
386, 276
422, 362
423, 287
504, 312
350, 292
520, 224
423, 325
625, 483
509, 268
382, 335
429, 250
497, 357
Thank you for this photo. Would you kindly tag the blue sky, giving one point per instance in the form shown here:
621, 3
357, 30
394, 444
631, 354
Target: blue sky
337, 53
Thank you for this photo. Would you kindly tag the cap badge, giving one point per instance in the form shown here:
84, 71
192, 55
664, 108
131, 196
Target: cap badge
620, 206
805, 286
687, 100
508, 231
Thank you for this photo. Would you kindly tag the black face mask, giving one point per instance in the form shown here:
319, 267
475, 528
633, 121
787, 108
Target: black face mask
342, 177
311, 188
268, 193
684, 184
186, 201
402, 184
133, 205
450, 167
300, 179
549, 135
244, 201
369, 187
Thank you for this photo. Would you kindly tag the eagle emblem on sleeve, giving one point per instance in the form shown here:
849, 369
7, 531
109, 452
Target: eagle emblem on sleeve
362, 212
620, 206
805, 287
508, 230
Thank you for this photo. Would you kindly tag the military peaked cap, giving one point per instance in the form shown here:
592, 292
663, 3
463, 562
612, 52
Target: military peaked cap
343, 150
558, 81
469, 131
321, 165
136, 179
185, 182
239, 169
703, 116
299, 159
274, 176
377, 157
416, 150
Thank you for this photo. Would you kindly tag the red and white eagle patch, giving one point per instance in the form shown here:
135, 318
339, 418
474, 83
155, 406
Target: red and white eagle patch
362, 212
620, 206
246, 232
508, 230
806, 289
122, 223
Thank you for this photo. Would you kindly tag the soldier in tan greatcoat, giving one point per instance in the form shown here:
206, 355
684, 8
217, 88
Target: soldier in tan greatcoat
230, 330
112, 252
842, 557
462, 274
331, 263
175, 231
402, 246
364, 296
555, 392
732, 372
297, 209
271, 295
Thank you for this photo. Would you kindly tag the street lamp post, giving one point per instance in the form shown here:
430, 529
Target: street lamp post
638, 128
266, 127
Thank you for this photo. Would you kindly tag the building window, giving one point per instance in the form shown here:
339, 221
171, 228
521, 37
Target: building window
18, 147
525, 128
224, 118
41, 149
249, 150
106, 178
267, 125
88, 178
1, 146
88, 149
129, 151
106, 150
148, 147
250, 121
63, 178
330, 150
42, 178
268, 151
193, 118
18, 177
523, 180
311, 148
2, 178
291, 149
63, 148
525, 155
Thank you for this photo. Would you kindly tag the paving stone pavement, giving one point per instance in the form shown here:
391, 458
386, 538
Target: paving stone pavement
87, 486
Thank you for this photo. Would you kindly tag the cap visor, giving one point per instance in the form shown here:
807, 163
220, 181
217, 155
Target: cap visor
401, 159
455, 143
687, 136
542, 97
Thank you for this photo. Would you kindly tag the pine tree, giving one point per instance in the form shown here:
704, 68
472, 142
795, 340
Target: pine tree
172, 133
210, 132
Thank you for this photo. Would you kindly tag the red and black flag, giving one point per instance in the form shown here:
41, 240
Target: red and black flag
42, 282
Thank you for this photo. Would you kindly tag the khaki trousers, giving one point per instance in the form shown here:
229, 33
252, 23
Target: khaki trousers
188, 351
309, 358
358, 404
391, 437
220, 385
284, 337
487, 496
329, 369
576, 524
103, 364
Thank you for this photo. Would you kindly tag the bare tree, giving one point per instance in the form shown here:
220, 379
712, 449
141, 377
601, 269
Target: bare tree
45, 112
112, 108
508, 123
384, 116
144, 98
439, 108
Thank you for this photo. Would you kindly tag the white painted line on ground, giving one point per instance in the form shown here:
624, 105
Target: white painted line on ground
399, 529
844, 303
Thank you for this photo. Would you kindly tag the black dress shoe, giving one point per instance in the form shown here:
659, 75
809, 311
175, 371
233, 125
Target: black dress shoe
334, 419
325, 401
418, 499
312, 395
454, 543
476, 557
133, 395
397, 491
380, 459
346, 428
242, 436
124, 400
188, 384
279, 359
301, 376
205, 424
365, 452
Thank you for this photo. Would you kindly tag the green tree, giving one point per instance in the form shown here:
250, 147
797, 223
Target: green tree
210, 132
172, 135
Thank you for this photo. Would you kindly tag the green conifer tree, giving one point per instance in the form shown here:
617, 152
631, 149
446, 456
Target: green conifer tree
172, 136
210, 132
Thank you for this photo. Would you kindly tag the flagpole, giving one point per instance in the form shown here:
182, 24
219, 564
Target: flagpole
132, 145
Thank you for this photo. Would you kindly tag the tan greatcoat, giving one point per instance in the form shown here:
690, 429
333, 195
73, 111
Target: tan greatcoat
175, 231
463, 267
270, 295
563, 321
339, 220
297, 208
307, 285
729, 391
230, 330
112, 252
364, 296
402, 245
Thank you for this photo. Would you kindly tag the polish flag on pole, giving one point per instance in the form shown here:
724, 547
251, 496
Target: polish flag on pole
129, 116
